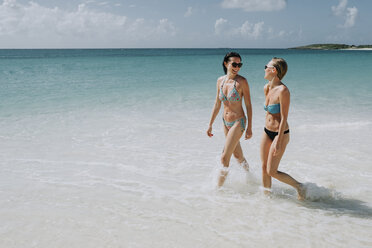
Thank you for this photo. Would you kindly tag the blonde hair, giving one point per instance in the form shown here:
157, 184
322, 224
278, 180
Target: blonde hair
280, 66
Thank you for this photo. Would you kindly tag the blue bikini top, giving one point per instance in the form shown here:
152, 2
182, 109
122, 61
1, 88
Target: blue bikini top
273, 108
232, 96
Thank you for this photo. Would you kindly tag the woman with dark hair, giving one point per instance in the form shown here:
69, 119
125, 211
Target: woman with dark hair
231, 90
276, 131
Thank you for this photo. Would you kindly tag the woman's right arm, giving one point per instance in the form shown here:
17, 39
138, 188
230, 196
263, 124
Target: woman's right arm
216, 109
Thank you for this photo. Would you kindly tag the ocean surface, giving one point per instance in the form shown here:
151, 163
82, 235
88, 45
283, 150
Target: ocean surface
108, 148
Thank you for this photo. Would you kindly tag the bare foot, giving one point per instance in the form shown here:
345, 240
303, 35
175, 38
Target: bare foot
301, 192
267, 192
223, 176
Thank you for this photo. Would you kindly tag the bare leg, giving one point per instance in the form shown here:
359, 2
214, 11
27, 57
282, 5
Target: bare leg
238, 154
273, 164
232, 139
264, 152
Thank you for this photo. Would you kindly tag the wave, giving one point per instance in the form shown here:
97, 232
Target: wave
336, 125
316, 193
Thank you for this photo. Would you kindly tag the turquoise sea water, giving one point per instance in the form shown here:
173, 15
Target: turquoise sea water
108, 147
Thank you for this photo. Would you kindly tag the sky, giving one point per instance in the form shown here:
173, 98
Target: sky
183, 23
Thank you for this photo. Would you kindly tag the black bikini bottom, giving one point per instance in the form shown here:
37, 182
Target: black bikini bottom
272, 134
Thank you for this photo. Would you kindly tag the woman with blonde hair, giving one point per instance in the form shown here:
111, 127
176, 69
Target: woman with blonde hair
231, 90
276, 132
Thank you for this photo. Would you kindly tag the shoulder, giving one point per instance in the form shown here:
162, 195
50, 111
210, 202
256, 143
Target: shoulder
284, 91
219, 80
242, 81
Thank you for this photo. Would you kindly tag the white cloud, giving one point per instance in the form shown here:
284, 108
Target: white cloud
351, 15
247, 30
220, 26
188, 12
10, 3
340, 8
165, 27
39, 26
250, 30
253, 32
284, 34
255, 5
103, 3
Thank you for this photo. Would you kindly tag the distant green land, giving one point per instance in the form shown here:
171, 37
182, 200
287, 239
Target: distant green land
332, 46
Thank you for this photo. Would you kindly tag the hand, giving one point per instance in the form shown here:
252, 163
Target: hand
248, 134
209, 131
277, 148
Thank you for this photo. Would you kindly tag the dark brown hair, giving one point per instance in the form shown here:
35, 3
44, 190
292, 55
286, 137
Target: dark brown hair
227, 59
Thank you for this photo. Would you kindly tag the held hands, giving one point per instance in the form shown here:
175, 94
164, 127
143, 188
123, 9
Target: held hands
209, 131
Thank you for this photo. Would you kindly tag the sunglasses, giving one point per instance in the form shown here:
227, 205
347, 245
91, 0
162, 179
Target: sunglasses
234, 64
269, 67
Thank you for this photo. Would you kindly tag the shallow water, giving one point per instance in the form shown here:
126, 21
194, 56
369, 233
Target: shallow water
107, 148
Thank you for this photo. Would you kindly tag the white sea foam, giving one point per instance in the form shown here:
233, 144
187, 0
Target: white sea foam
317, 193
335, 126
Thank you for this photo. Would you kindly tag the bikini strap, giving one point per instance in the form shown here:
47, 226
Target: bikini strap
223, 82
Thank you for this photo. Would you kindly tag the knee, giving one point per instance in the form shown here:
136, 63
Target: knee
267, 170
237, 155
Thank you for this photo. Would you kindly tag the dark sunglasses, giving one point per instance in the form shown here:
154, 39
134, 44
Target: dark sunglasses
236, 64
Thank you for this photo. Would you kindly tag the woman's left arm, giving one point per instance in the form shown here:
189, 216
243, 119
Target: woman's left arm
284, 99
248, 106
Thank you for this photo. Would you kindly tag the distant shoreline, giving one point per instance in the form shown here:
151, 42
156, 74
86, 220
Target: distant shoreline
359, 49
333, 47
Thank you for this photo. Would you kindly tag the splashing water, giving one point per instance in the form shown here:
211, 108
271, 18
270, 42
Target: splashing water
318, 193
